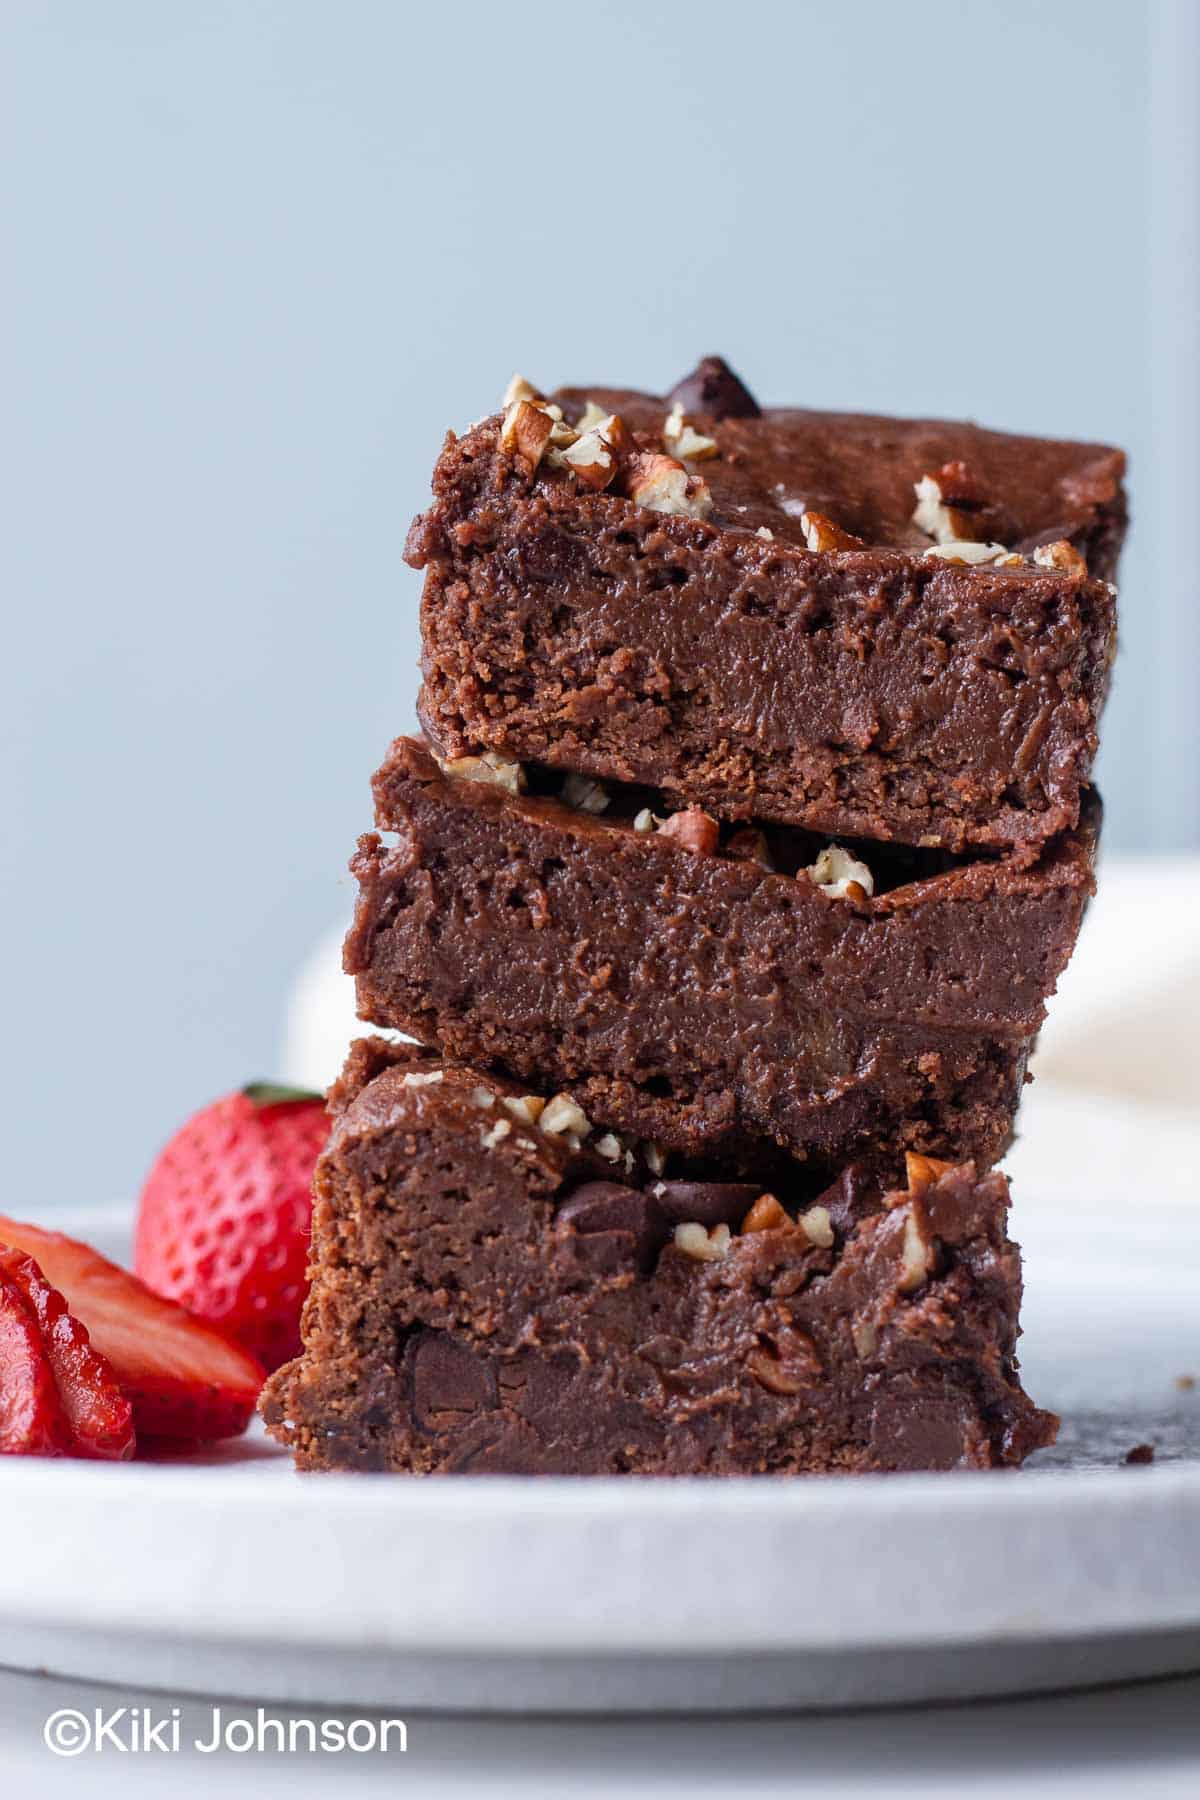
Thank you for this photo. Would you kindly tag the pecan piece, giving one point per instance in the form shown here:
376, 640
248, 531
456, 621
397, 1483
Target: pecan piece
526, 431
694, 829
663, 485
820, 533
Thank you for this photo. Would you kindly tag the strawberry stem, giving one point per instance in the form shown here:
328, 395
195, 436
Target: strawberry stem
273, 1093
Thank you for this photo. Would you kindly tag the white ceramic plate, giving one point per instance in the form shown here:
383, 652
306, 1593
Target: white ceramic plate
227, 1572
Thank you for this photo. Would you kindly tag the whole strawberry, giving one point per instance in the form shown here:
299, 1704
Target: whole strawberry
226, 1211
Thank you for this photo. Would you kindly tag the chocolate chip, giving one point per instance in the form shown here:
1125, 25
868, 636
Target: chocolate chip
449, 1381
960, 1204
854, 1196
713, 389
605, 1208
922, 1431
706, 1203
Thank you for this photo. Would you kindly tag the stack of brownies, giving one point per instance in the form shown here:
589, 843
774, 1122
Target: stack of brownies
748, 835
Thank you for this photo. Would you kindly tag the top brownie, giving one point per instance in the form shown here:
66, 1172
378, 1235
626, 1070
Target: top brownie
883, 628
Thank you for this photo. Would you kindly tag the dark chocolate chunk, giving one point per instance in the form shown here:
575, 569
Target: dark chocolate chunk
707, 1203
853, 1196
955, 1204
922, 1431
605, 1208
714, 390
448, 1381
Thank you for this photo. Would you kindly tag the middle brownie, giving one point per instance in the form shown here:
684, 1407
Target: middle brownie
704, 991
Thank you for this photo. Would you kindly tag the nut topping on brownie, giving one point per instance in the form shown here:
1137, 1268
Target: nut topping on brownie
682, 440
1060, 555
698, 1241
562, 1115
591, 460
818, 1227
821, 533
841, 875
492, 770
948, 504
766, 1215
663, 485
589, 796
694, 829
526, 1107
973, 554
534, 427
526, 431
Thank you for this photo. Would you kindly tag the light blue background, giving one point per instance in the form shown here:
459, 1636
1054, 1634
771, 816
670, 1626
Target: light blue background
259, 257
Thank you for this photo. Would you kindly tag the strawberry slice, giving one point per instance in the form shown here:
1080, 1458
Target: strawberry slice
99, 1415
185, 1379
32, 1420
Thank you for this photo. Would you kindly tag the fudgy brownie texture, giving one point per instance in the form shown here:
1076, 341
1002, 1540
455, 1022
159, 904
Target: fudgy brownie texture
698, 999
878, 690
487, 1297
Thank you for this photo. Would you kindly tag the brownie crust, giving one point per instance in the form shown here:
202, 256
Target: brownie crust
493, 1300
699, 1000
876, 691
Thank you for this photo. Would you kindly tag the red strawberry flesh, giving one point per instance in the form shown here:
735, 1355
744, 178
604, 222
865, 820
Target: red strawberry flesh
99, 1415
185, 1379
32, 1419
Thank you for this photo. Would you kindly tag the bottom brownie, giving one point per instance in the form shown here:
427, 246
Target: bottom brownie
496, 1287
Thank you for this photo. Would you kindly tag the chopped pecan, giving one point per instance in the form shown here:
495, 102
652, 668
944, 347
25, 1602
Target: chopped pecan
682, 440
947, 504
584, 794
663, 485
527, 1107
818, 1227
821, 533
841, 875
918, 1253
591, 459
766, 1215
956, 550
694, 829
526, 431
1062, 556
562, 1117
706, 1246
495, 771
921, 1171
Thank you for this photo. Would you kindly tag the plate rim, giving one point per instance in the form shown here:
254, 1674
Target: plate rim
404, 1563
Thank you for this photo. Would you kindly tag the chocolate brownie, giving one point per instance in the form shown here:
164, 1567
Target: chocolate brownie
490, 1293
787, 618
710, 990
